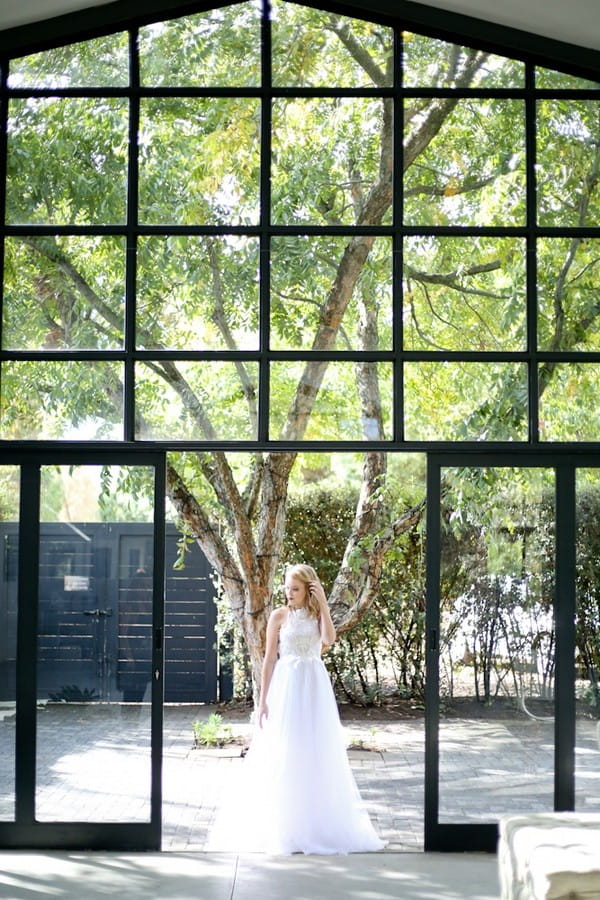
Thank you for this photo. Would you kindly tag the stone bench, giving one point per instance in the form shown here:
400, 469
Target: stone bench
550, 856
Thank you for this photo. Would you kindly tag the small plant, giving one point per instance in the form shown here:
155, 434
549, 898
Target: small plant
212, 732
364, 743
71, 693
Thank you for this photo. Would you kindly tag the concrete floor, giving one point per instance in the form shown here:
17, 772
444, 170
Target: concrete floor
202, 876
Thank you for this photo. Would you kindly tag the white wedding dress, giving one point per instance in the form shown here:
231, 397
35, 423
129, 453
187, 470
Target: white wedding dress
299, 793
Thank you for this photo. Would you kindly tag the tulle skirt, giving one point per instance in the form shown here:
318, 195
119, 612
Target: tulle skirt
297, 791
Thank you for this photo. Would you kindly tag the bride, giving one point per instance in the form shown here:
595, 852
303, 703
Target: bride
309, 801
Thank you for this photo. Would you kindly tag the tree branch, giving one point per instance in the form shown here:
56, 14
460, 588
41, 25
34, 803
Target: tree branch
342, 29
351, 596
47, 247
219, 318
206, 533
438, 111
450, 278
447, 190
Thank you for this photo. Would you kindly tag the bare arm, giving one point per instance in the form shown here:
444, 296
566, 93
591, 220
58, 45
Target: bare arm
328, 633
273, 625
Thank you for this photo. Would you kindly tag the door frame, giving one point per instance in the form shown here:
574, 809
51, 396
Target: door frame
484, 836
25, 832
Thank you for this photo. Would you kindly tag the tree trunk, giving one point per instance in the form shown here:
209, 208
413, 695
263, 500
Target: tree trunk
248, 577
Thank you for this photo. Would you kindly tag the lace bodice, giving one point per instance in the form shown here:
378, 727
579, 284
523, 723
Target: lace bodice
300, 635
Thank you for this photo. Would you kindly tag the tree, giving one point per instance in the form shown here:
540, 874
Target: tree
198, 162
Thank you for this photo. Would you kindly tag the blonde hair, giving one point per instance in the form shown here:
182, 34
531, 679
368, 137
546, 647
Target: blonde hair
305, 574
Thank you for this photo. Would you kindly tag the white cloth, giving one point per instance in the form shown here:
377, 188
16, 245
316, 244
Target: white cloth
298, 793
550, 856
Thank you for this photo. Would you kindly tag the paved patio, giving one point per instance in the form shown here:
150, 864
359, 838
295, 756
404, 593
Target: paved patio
94, 765
390, 779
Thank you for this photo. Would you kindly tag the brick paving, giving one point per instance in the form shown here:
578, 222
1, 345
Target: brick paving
390, 779
94, 765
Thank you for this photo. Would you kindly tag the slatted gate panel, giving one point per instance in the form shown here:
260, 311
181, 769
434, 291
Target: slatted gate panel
70, 639
190, 619
95, 615
134, 617
9, 536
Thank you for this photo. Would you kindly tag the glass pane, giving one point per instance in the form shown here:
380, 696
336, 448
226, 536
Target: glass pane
497, 641
464, 293
202, 401
429, 62
326, 156
469, 171
64, 293
568, 132
316, 48
569, 402
94, 644
587, 652
67, 160
330, 401
549, 78
101, 62
193, 639
312, 278
198, 293
465, 401
219, 47
51, 400
199, 160
9, 529
568, 270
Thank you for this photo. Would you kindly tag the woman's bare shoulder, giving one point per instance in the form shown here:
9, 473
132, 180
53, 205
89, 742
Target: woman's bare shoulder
278, 615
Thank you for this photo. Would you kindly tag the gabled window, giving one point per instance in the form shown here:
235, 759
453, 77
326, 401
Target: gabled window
279, 225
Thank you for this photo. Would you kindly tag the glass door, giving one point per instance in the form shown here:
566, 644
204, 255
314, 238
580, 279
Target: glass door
89, 669
9, 550
587, 644
498, 547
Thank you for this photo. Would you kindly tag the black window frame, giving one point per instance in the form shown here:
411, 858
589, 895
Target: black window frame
532, 50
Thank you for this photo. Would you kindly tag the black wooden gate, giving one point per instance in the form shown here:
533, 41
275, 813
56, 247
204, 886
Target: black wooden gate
94, 631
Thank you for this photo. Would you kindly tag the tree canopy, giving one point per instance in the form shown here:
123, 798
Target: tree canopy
296, 233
